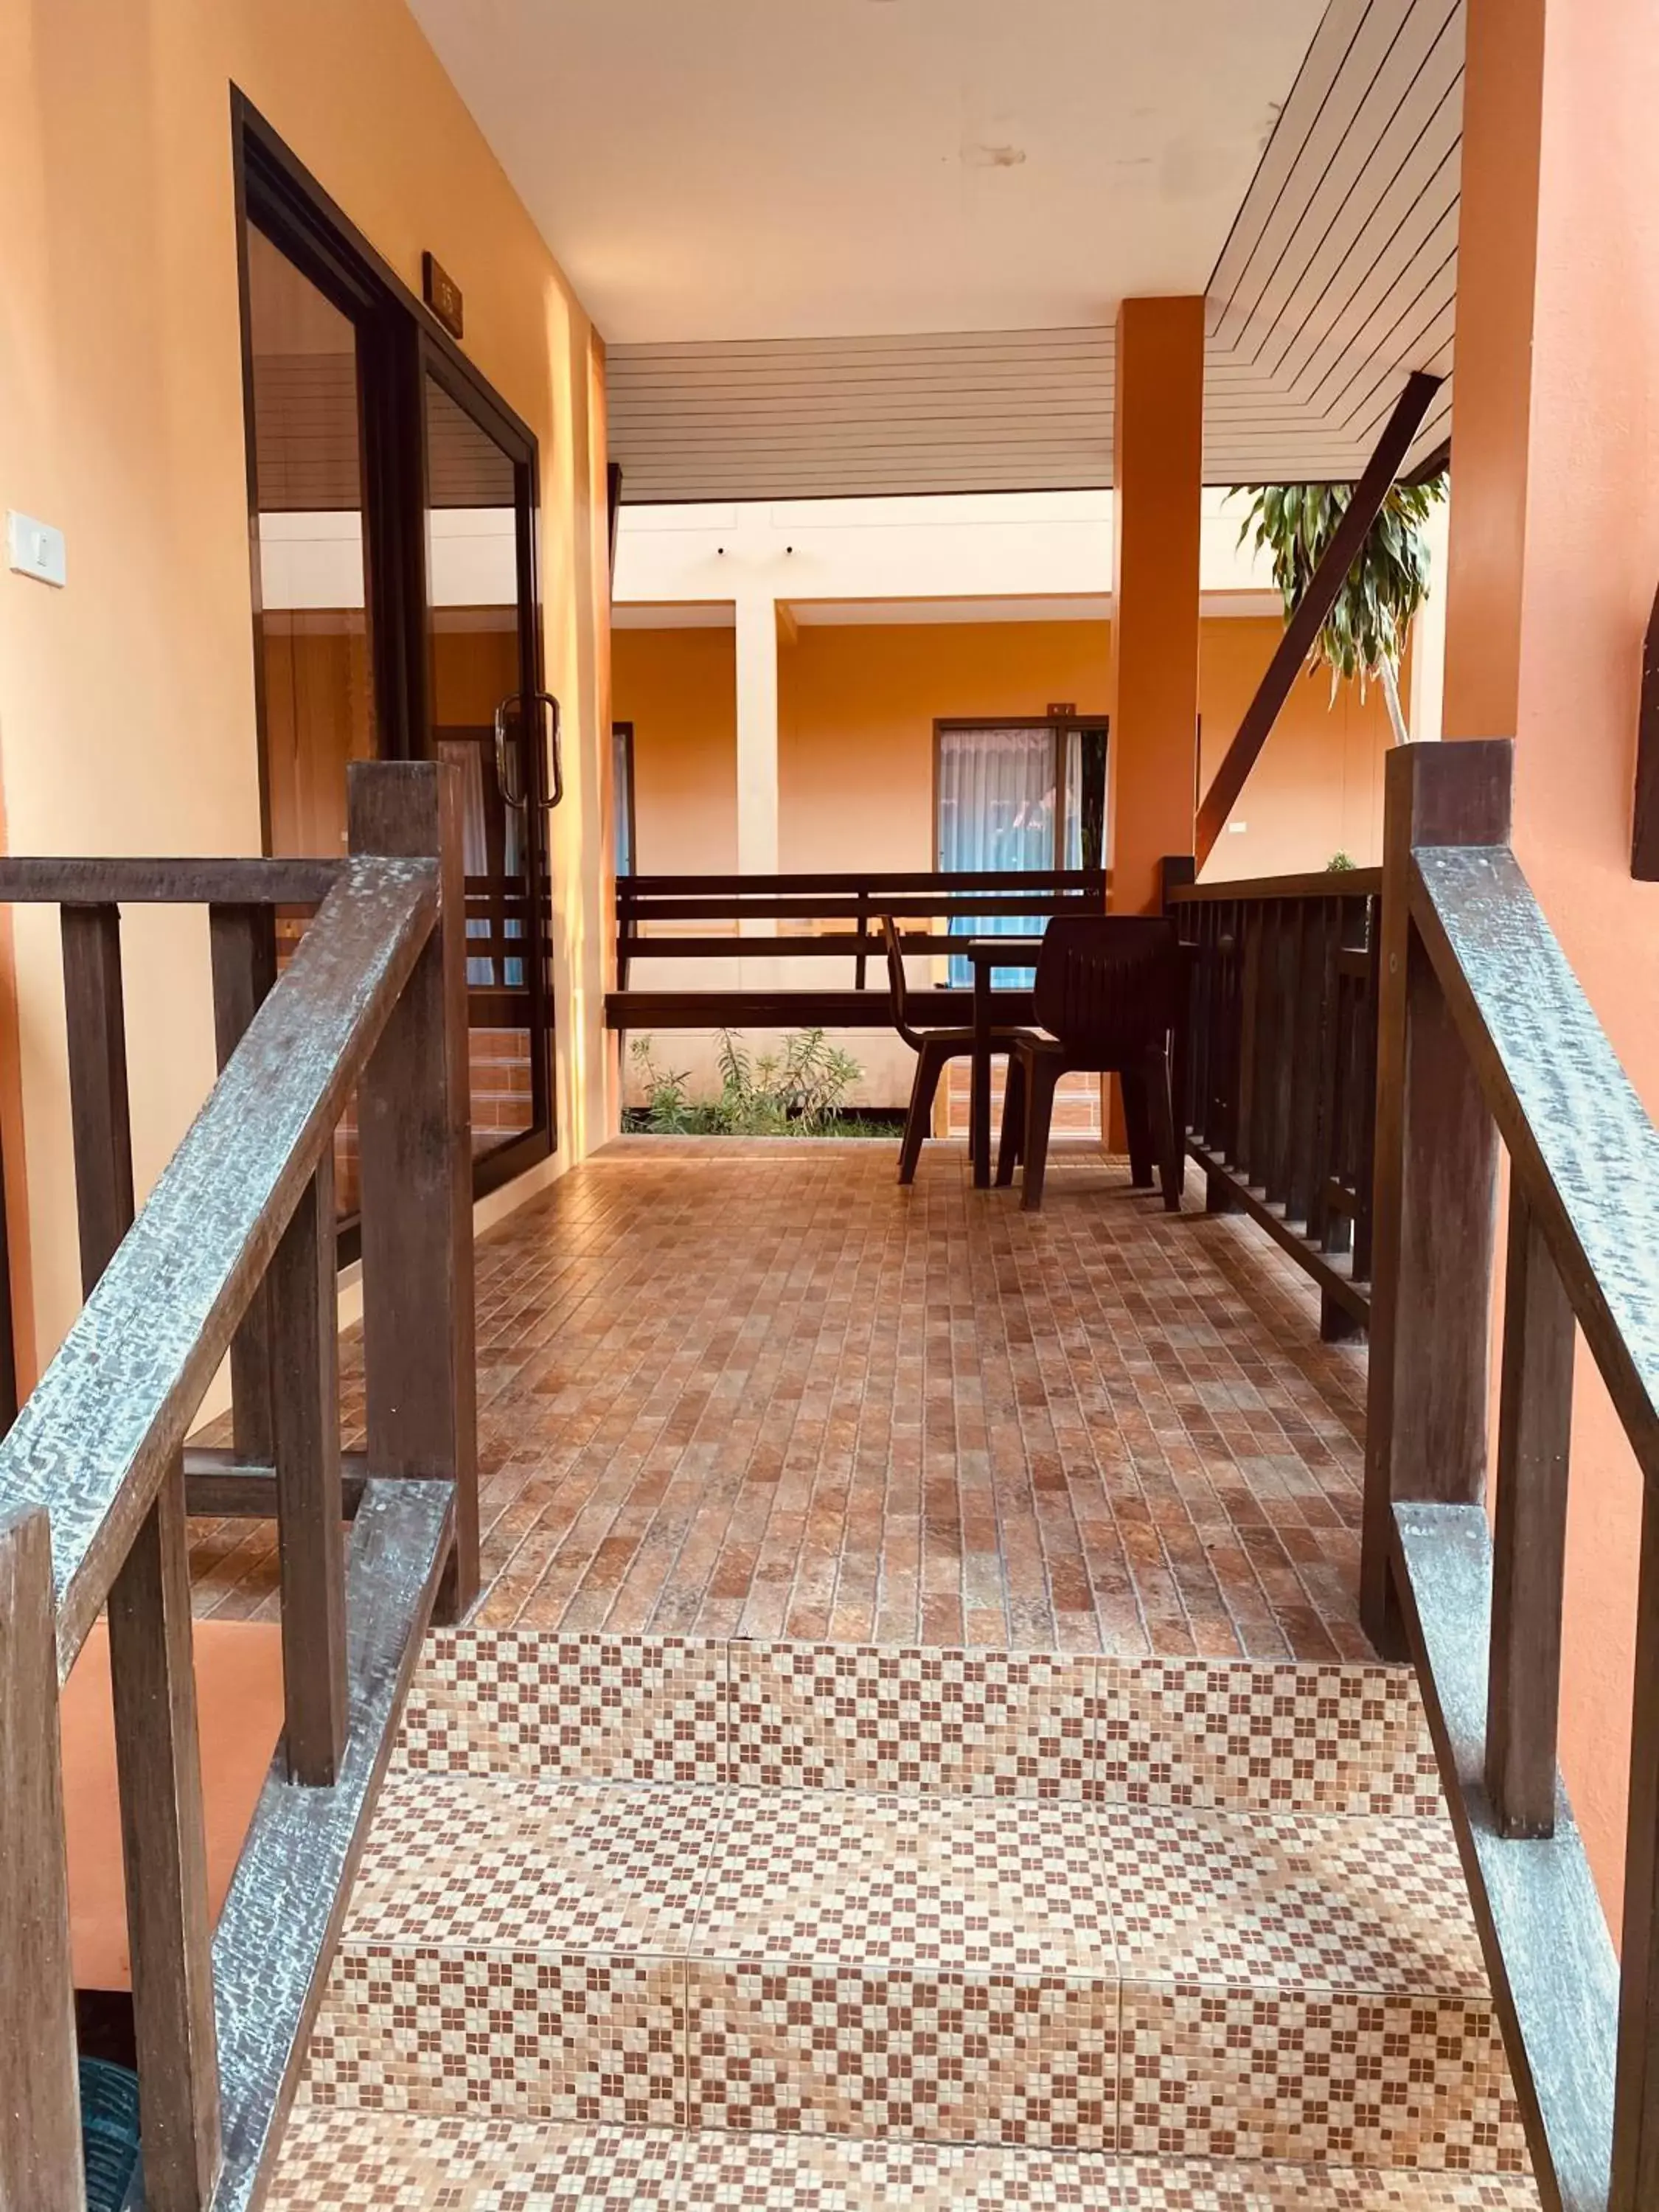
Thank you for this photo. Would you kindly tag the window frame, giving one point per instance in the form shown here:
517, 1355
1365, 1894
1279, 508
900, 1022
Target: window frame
1060, 727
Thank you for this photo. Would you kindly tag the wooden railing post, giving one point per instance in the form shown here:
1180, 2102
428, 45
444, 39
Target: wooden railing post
164, 1843
164, 1839
94, 1011
41, 2160
285, 1411
242, 940
414, 1119
310, 1506
1529, 1548
1435, 1188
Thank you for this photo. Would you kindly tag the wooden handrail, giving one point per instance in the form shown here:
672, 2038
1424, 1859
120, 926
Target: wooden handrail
234, 1252
925, 897
1487, 1037
1570, 1117
185, 882
161, 1317
879, 883
1319, 883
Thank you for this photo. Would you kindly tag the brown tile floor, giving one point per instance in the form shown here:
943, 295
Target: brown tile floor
765, 1392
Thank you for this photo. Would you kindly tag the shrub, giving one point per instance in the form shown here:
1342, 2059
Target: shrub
795, 1092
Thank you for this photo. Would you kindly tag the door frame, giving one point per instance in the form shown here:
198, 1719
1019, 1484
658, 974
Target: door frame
487, 408
400, 341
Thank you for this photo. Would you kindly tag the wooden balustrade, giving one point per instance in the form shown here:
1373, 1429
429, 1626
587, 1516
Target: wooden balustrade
235, 1253
1487, 1041
652, 912
1274, 1071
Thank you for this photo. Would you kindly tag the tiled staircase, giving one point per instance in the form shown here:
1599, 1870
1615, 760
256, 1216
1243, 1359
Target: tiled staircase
652, 1924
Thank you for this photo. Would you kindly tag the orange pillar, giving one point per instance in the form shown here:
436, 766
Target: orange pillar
1158, 448
1554, 558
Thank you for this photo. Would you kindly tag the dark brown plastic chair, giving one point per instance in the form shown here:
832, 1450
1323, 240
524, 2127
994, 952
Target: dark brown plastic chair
1109, 994
933, 1049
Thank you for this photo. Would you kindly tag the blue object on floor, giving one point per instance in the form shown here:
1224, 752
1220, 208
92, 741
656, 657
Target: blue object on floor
109, 2131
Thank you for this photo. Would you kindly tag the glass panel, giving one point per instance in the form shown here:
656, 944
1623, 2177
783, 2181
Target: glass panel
313, 628
476, 664
1086, 799
622, 795
996, 810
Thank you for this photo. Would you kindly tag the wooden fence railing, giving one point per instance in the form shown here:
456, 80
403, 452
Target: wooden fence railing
233, 1252
1275, 1071
656, 914
1485, 1036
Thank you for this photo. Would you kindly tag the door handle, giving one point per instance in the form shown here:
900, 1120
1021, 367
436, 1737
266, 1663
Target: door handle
516, 797
555, 751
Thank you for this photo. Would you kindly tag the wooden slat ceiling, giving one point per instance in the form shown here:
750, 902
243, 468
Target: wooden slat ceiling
1338, 278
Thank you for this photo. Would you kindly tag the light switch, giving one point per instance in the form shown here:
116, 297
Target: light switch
35, 548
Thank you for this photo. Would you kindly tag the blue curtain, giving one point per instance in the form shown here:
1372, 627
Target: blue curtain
996, 810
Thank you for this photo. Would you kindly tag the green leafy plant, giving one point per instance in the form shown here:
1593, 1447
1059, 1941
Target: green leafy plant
1338, 865
1364, 636
797, 1091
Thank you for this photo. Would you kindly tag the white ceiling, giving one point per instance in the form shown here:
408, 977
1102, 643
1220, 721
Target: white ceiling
805, 168
868, 247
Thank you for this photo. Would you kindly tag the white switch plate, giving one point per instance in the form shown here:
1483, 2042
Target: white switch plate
1238, 829
35, 548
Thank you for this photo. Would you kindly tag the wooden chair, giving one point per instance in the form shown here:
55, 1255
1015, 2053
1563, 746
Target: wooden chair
1109, 994
933, 1049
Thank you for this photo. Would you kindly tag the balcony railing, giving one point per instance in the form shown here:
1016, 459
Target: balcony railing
1275, 1072
1487, 1039
705, 918
233, 1252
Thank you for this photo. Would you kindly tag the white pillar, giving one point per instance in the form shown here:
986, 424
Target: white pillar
758, 735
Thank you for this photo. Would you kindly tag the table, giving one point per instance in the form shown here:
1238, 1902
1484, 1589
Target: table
984, 955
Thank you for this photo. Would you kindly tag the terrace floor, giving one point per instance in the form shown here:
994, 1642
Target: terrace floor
758, 1391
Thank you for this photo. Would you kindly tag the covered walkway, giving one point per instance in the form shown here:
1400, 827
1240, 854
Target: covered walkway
755, 1390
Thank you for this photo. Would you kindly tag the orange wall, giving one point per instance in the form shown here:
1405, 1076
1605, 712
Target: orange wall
1555, 555
126, 701
856, 710
679, 690
1317, 788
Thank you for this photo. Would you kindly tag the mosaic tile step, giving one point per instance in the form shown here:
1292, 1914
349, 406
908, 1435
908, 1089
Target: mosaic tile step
349, 2161
945, 1968
1344, 1737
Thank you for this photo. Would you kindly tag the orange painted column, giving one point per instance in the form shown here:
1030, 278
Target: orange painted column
1554, 559
1158, 447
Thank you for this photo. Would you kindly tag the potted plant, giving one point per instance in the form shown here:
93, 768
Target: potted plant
1365, 633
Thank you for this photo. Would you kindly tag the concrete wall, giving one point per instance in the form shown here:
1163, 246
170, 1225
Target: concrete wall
126, 701
679, 688
856, 709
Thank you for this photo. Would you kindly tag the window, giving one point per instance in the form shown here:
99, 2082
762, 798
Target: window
622, 795
1017, 795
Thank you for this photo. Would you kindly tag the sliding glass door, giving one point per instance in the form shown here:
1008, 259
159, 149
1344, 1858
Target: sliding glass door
1021, 796
392, 512
488, 714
